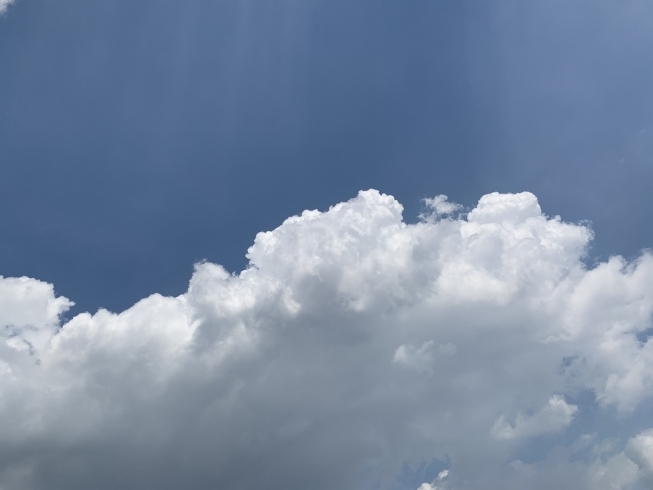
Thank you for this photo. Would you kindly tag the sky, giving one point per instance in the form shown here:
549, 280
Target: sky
326, 244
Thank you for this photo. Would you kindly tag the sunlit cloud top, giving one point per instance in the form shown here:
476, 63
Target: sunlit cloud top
354, 348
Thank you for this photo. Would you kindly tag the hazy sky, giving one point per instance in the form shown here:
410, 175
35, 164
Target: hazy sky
371, 345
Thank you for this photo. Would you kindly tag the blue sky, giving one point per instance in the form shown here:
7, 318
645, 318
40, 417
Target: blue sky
138, 139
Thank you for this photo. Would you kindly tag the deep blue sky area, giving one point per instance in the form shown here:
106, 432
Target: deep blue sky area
137, 138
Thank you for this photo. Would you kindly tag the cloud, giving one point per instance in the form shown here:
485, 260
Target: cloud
432, 486
29, 313
555, 416
440, 205
4, 4
640, 451
422, 358
632, 468
354, 345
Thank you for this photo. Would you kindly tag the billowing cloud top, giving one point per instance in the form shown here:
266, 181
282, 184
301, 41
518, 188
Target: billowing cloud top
354, 350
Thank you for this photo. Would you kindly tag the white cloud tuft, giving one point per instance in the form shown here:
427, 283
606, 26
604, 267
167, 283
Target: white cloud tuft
640, 451
422, 358
630, 469
4, 4
308, 368
554, 417
440, 205
432, 486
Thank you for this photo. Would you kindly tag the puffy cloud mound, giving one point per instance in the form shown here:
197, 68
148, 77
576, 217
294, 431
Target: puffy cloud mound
354, 347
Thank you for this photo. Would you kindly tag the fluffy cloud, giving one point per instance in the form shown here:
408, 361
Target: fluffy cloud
632, 468
555, 416
4, 4
432, 486
353, 348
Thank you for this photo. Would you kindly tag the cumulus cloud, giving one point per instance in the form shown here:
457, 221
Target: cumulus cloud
631, 469
4, 4
432, 486
354, 346
555, 416
640, 451
440, 205
422, 358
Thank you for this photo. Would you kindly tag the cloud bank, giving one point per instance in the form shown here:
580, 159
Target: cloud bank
353, 352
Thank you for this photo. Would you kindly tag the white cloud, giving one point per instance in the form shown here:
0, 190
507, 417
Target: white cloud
440, 205
640, 451
422, 358
554, 417
432, 486
630, 469
29, 313
4, 4
308, 368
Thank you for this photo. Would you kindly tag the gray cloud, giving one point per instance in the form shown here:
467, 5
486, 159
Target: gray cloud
354, 345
